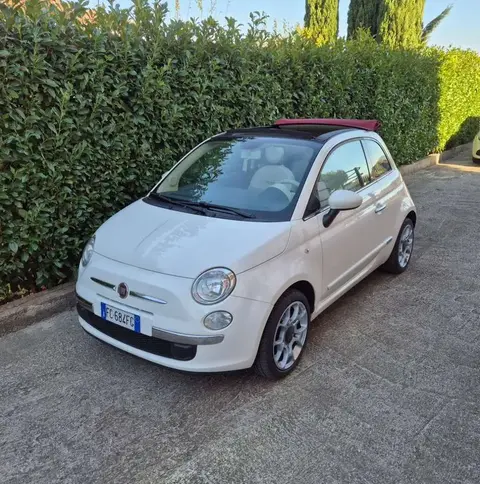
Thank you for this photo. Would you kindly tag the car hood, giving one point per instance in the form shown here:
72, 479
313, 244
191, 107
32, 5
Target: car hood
186, 244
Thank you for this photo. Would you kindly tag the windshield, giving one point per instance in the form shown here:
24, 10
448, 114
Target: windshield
254, 177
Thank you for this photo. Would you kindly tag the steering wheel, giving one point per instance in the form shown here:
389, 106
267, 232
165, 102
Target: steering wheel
276, 194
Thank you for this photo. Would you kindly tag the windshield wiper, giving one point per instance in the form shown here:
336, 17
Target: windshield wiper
201, 205
180, 203
221, 208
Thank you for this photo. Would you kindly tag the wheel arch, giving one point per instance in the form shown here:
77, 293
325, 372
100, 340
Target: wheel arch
261, 366
302, 285
412, 215
306, 289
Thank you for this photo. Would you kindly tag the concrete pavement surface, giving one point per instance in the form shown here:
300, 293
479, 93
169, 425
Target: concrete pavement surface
387, 392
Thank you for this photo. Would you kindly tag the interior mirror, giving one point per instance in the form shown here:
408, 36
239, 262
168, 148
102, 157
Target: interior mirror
251, 154
341, 200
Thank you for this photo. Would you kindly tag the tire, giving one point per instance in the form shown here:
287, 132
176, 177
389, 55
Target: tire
476, 161
395, 263
266, 363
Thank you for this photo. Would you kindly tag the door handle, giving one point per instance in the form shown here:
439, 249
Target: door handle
380, 208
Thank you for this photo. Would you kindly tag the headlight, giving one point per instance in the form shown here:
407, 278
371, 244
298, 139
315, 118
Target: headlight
88, 252
213, 285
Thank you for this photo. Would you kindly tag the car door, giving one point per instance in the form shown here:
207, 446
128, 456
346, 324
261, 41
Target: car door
349, 243
385, 188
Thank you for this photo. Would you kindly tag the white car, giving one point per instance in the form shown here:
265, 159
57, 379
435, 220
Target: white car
476, 149
228, 259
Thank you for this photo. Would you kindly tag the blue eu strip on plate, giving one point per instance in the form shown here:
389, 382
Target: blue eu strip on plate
137, 323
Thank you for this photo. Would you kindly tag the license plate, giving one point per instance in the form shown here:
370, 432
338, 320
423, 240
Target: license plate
120, 317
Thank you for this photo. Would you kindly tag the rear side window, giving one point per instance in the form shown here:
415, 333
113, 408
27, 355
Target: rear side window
345, 169
377, 159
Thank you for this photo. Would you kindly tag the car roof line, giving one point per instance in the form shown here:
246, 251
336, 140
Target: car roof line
365, 124
331, 134
296, 132
271, 130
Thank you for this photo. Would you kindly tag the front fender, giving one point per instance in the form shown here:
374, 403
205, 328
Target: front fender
300, 261
407, 206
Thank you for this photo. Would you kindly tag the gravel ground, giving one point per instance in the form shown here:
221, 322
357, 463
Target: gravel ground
388, 390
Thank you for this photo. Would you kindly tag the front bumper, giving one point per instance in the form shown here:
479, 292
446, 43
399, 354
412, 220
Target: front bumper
172, 333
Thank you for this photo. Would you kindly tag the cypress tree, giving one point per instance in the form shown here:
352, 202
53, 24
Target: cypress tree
363, 14
400, 22
321, 20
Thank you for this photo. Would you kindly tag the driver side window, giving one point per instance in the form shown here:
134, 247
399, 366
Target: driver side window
345, 169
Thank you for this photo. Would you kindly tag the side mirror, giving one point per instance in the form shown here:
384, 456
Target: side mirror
339, 201
344, 200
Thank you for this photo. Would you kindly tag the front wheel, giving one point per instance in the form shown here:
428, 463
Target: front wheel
402, 252
284, 337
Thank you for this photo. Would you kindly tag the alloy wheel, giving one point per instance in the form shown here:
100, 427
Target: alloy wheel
405, 247
290, 335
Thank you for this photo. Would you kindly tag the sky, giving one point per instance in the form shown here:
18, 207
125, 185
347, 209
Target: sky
460, 28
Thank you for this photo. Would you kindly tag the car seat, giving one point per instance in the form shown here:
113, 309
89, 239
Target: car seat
299, 166
273, 172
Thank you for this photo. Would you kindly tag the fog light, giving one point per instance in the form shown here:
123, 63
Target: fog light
217, 320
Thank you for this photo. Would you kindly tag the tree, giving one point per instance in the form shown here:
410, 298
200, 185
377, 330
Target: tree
364, 15
321, 20
397, 23
400, 22
433, 24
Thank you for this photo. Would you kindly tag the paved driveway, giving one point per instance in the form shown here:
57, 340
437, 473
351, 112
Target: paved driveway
388, 391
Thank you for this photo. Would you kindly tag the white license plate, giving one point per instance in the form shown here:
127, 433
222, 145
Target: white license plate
120, 317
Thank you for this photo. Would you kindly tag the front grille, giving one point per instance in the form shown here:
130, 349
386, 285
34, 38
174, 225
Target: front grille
155, 346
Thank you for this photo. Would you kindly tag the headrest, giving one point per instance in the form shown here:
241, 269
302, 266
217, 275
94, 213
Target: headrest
274, 154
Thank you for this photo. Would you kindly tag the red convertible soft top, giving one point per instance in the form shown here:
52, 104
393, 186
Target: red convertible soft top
366, 124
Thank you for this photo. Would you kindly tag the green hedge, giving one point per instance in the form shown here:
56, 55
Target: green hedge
91, 115
459, 105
